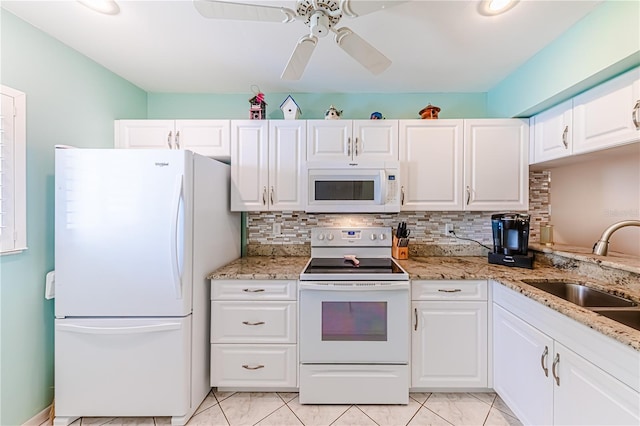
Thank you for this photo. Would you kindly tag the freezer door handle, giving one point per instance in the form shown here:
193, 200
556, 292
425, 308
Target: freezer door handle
176, 245
119, 330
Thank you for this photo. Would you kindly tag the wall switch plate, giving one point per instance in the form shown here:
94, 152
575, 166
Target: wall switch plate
277, 228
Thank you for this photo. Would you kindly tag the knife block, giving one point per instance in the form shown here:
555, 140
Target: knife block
399, 253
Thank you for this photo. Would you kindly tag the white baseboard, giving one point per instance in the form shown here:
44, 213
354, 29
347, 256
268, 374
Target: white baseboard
39, 418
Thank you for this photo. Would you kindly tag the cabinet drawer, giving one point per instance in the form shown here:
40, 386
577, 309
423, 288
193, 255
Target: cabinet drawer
254, 366
253, 322
449, 290
253, 289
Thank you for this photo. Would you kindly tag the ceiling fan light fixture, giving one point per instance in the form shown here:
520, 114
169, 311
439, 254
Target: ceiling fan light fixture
495, 7
319, 24
107, 7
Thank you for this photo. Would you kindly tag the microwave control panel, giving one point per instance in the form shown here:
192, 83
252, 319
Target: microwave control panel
392, 188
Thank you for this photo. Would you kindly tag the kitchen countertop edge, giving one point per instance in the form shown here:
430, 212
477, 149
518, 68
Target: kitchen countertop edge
460, 268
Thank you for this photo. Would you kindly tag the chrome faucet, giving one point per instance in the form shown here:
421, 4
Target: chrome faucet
601, 246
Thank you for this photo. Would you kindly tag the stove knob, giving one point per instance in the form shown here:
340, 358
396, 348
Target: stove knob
383, 237
373, 237
330, 237
321, 237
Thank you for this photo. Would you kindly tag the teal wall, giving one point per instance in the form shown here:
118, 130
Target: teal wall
603, 44
313, 105
70, 100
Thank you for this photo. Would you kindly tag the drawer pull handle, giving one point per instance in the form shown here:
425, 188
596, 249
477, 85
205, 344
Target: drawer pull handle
253, 323
253, 290
257, 367
543, 361
454, 290
556, 376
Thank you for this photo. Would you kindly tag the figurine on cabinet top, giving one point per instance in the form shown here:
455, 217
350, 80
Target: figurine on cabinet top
258, 108
429, 112
290, 109
332, 114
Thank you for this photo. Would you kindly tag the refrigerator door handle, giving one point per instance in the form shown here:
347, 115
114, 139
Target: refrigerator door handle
118, 330
176, 245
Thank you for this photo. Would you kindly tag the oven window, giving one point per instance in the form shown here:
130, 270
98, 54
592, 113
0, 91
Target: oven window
344, 190
354, 321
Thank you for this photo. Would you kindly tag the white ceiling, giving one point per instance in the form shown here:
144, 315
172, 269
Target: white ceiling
435, 46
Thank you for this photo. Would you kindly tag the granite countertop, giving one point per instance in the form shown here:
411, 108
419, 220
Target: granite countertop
261, 268
477, 267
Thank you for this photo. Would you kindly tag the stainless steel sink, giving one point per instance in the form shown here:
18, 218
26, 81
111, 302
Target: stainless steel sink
579, 294
628, 317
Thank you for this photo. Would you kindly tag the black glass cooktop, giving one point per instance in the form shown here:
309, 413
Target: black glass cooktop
344, 266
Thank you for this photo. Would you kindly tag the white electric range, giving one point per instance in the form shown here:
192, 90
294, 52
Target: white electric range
354, 307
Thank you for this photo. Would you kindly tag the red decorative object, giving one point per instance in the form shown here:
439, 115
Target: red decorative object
258, 109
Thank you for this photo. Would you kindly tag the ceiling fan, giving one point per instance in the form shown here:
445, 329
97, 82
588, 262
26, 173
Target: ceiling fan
321, 16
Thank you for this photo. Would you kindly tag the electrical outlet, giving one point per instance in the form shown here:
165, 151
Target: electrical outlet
448, 228
277, 228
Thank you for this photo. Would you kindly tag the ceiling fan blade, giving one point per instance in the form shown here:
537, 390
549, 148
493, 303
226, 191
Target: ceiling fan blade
299, 58
243, 12
353, 8
368, 56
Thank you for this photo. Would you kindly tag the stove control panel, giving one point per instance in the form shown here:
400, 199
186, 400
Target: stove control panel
358, 237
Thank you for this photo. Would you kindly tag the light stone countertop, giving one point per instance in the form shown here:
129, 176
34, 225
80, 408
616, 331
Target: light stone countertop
477, 267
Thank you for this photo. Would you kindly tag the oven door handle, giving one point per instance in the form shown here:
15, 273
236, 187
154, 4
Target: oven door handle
360, 288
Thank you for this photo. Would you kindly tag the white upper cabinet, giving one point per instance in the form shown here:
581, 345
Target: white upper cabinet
351, 140
496, 163
267, 165
431, 162
553, 133
287, 170
604, 117
205, 137
608, 115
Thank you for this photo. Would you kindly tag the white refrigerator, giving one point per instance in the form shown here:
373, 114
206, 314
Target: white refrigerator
136, 233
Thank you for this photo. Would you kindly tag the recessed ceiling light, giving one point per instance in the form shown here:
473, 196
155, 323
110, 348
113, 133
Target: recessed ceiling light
108, 7
495, 7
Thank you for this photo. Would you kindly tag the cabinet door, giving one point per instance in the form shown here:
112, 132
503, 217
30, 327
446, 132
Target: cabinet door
496, 157
522, 358
249, 165
553, 133
287, 159
608, 115
432, 165
375, 140
205, 137
449, 344
329, 140
145, 134
586, 395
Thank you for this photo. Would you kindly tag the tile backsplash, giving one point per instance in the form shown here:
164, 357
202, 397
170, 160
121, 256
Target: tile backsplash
427, 228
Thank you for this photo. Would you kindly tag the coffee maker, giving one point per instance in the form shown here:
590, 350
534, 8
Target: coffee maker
511, 240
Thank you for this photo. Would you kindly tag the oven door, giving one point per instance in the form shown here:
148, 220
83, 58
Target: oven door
354, 322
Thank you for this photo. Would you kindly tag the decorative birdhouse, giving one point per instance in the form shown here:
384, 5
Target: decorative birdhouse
290, 109
332, 114
258, 109
429, 112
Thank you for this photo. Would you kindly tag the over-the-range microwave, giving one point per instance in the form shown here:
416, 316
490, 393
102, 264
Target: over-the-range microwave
350, 187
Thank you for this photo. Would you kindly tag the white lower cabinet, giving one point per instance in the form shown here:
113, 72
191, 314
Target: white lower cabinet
449, 334
544, 381
254, 334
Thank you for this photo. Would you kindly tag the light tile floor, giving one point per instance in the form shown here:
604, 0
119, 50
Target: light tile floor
283, 409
